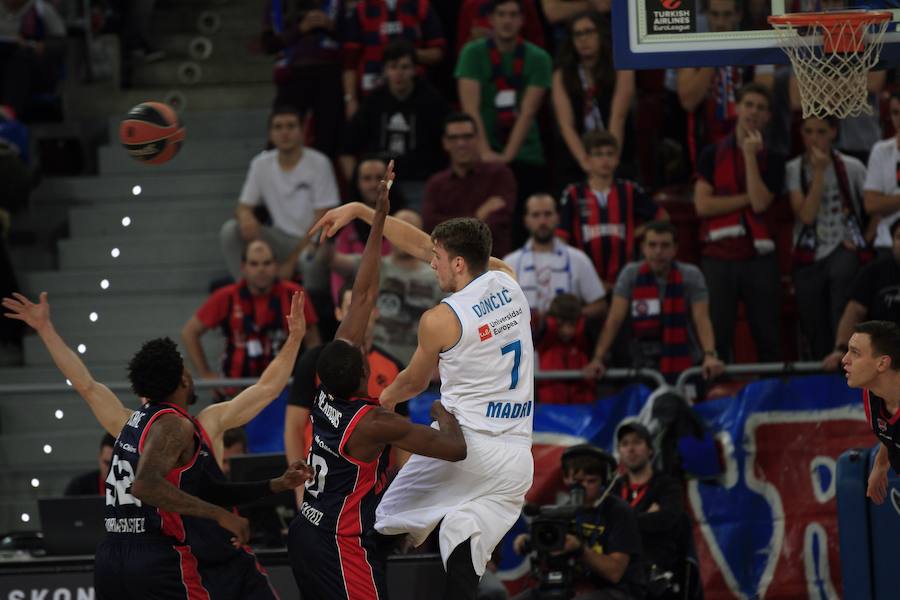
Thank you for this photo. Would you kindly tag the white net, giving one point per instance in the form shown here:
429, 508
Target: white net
831, 61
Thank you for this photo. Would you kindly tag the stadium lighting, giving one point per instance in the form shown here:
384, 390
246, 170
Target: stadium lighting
58, 413
136, 190
126, 221
25, 517
104, 284
68, 382
82, 348
48, 448
93, 317
35, 482
114, 253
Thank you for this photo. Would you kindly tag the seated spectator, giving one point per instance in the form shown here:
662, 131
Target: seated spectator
602, 216
657, 500
295, 184
561, 12
710, 94
589, 94
882, 188
348, 244
234, 442
606, 551
563, 345
874, 296
251, 315
738, 179
502, 81
93, 483
383, 369
401, 120
306, 36
471, 187
826, 190
474, 23
375, 23
668, 306
546, 266
32, 47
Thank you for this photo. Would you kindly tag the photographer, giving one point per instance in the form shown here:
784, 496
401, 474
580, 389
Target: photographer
658, 502
599, 558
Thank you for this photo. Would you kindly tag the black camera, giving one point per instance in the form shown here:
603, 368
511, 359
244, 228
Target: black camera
554, 571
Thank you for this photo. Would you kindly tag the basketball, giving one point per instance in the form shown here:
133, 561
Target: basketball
152, 132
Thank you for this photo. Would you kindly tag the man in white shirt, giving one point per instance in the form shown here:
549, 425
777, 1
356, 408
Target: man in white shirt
546, 266
295, 184
882, 192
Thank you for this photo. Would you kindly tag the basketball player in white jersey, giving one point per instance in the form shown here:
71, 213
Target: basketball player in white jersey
480, 338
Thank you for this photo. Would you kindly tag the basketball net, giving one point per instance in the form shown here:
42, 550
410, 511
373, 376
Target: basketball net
832, 54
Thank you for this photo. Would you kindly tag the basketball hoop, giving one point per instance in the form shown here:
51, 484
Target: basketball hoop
832, 53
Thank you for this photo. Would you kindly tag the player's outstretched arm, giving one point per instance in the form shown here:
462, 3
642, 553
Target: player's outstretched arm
217, 418
106, 406
228, 493
438, 330
368, 275
447, 443
166, 443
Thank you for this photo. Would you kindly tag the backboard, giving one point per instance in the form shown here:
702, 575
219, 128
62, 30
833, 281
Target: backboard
656, 34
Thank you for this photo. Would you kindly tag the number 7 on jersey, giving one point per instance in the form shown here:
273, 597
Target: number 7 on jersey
516, 348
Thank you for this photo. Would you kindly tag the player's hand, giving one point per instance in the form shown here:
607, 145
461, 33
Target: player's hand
296, 476
335, 219
832, 362
383, 201
594, 369
296, 321
520, 542
20, 308
878, 484
712, 367
237, 525
439, 411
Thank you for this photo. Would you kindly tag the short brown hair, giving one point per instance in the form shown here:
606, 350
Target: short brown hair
565, 307
466, 237
601, 138
755, 88
660, 227
885, 339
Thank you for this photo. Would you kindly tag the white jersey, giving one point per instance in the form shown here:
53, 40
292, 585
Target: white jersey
487, 378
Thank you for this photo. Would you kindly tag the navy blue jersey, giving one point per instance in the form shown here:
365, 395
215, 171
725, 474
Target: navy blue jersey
126, 514
885, 426
342, 498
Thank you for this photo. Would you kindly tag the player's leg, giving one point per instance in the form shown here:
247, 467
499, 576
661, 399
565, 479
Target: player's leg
462, 580
140, 571
241, 578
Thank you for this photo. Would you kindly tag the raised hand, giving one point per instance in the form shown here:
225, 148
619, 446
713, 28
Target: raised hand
296, 321
335, 219
383, 202
37, 316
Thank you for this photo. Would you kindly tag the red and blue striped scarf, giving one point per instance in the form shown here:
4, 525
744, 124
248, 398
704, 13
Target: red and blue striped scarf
669, 322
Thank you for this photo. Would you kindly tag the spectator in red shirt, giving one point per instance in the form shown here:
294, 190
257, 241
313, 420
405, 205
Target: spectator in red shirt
564, 345
602, 215
738, 179
372, 26
474, 23
251, 314
471, 187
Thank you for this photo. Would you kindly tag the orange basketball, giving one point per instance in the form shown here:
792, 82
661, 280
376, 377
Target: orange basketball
152, 132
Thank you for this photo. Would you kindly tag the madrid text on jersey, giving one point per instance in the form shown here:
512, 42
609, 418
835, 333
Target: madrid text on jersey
508, 410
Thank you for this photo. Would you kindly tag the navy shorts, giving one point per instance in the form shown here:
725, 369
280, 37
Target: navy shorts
155, 569
330, 567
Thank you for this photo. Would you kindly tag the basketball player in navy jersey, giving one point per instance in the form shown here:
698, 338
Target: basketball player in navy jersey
332, 545
480, 339
872, 362
168, 536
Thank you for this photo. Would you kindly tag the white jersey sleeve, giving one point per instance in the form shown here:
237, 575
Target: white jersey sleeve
487, 378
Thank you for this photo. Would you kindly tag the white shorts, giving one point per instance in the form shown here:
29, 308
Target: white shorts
480, 497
